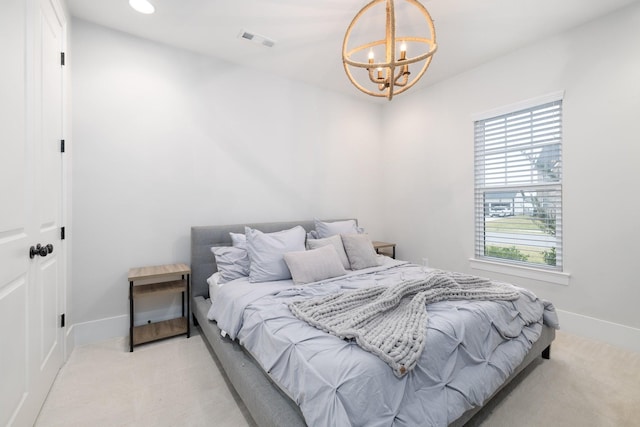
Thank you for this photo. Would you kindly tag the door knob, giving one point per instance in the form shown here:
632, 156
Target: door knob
40, 250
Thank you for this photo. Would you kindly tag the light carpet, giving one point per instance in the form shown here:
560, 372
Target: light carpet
177, 382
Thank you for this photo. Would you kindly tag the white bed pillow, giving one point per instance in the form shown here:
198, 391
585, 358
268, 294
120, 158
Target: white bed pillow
266, 252
232, 262
238, 240
328, 229
314, 265
334, 241
214, 284
360, 251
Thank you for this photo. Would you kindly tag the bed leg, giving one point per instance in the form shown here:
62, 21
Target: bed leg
546, 353
195, 321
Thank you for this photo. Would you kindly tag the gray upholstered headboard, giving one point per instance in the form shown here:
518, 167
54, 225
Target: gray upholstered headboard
204, 237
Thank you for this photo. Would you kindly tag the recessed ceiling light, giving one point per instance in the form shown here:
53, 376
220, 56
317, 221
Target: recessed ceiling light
142, 6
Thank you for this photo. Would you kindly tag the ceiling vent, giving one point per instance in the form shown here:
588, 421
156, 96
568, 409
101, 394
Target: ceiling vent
256, 38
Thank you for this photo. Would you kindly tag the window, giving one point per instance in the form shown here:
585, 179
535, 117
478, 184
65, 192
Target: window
518, 187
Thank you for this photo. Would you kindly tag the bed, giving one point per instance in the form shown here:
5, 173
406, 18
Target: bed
276, 398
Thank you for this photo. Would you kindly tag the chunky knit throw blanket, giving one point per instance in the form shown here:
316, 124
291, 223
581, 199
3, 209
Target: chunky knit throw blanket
391, 321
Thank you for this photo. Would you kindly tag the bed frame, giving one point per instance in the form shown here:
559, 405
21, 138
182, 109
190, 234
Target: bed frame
266, 403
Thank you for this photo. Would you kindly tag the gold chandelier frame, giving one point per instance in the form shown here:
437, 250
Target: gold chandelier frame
387, 82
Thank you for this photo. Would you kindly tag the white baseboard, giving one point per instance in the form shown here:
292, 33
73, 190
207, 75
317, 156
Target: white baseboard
101, 329
600, 330
114, 327
573, 323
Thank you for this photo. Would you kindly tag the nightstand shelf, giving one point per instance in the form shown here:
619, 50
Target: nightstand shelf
385, 246
159, 330
162, 273
173, 287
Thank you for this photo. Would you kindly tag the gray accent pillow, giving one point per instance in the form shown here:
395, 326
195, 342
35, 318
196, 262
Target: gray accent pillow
328, 229
314, 265
232, 263
266, 252
359, 250
334, 241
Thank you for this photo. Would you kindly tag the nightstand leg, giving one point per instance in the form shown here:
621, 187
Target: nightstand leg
188, 306
130, 316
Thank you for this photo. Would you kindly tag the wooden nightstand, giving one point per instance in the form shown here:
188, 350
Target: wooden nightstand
160, 275
384, 245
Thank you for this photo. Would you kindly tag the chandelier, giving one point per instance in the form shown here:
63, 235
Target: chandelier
388, 76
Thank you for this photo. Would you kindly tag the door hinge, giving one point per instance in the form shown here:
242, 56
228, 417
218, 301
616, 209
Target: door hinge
61, 58
62, 320
62, 145
62, 233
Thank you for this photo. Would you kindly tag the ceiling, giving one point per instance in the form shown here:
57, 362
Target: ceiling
308, 35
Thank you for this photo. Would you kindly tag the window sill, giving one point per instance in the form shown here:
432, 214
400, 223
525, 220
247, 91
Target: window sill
557, 277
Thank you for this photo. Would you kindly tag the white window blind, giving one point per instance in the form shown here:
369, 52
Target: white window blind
518, 187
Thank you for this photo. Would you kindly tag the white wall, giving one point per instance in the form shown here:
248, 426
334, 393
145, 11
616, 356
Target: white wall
165, 139
429, 191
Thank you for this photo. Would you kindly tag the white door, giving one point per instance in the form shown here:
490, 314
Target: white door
31, 289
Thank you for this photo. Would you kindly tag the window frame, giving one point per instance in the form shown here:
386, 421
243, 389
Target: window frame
553, 274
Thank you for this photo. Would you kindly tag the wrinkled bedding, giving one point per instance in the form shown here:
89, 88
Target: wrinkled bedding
471, 348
